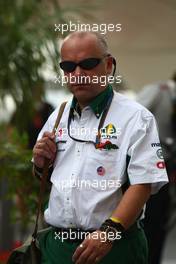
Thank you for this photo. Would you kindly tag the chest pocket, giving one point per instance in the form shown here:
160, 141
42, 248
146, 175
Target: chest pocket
101, 169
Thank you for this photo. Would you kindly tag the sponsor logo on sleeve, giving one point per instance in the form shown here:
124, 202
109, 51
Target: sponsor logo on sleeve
159, 154
154, 145
161, 165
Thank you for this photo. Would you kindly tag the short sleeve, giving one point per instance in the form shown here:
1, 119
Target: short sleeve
146, 163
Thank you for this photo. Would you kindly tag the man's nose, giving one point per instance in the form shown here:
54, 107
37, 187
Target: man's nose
78, 71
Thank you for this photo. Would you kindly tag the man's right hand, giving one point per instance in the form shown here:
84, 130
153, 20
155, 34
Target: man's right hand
44, 148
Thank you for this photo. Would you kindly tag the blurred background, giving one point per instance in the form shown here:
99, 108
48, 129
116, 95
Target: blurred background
145, 51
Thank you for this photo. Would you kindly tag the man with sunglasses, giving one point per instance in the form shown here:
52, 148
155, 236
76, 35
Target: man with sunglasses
119, 149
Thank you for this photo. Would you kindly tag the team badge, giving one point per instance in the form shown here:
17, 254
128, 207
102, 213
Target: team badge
160, 154
106, 145
101, 171
160, 165
109, 132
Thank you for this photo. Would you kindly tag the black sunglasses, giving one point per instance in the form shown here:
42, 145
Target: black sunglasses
87, 64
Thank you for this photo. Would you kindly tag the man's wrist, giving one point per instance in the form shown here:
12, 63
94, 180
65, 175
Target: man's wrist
116, 220
114, 231
38, 172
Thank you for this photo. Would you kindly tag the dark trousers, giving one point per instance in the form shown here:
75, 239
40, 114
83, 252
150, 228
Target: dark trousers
156, 219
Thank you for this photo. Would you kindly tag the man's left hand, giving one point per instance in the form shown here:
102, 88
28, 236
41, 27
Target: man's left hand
92, 249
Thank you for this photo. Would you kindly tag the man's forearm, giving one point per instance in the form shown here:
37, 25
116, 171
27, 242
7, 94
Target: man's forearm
132, 203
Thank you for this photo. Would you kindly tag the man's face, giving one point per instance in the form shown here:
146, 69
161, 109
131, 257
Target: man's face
77, 49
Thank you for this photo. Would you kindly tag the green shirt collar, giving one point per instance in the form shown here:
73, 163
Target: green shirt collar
98, 104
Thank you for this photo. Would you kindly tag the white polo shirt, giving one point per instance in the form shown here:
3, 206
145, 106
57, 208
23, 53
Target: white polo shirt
87, 182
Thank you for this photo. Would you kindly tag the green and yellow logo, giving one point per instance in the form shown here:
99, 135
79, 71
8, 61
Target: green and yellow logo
109, 131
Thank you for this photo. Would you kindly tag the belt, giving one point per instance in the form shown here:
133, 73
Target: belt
78, 235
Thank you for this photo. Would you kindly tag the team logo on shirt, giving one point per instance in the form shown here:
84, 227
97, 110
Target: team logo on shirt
60, 131
159, 154
160, 165
153, 145
109, 132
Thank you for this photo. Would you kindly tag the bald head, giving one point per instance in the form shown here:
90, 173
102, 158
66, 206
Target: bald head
97, 38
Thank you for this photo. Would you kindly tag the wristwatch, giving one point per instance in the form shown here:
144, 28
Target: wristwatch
114, 231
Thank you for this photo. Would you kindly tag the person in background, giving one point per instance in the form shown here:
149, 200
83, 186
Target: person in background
160, 99
41, 114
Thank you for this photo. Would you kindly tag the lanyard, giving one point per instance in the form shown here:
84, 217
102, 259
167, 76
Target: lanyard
101, 123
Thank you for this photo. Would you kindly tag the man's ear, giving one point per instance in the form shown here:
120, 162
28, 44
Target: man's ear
109, 64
